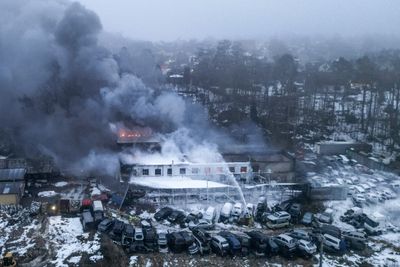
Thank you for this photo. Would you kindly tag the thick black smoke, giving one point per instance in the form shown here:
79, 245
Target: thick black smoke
59, 90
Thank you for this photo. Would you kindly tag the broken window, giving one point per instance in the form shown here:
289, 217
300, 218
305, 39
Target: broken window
145, 171
157, 172
243, 169
182, 171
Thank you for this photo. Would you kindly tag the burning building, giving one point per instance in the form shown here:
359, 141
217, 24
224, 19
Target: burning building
142, 138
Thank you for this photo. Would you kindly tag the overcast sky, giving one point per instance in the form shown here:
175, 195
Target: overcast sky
184, 19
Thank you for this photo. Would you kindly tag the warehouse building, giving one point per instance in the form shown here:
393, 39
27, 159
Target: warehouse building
12, 185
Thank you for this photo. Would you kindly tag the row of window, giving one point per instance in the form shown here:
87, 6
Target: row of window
182, 171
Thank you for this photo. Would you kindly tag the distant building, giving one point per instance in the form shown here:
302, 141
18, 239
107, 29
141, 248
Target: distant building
340, 147
12, 185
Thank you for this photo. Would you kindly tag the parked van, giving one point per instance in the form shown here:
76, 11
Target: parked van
98, 206
286, 242
331, 230
210, 214
373, 225
334, 243
87, 220
237, 210
128, 235
225, 213
150, 238
139, 236
162, 242
278, 220
306, 248
354, 235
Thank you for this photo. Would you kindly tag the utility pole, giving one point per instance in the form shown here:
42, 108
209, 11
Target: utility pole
321, 248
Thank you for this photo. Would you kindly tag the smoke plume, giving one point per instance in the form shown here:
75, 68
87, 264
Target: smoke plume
60, 91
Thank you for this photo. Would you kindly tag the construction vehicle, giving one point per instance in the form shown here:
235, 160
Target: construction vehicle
8, 260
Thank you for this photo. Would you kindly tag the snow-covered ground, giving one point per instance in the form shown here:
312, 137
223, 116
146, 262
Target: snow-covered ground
68, 240
386, 247
61, 184
47, 194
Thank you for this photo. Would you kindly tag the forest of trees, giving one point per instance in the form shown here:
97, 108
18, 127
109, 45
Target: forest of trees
289, 98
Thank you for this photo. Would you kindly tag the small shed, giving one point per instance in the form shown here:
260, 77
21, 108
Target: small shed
12, 185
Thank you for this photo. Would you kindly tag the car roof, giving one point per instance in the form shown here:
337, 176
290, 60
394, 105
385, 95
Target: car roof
219, 238
285, 236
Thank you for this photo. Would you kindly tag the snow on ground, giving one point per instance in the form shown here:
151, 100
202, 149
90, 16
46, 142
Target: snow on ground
21, 245
95, 191
384, 246
133, 261
66, 235
47, 194
385, 257
60, 184
75, 193
174, 183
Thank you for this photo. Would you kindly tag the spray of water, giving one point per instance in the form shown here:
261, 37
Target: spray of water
233, 180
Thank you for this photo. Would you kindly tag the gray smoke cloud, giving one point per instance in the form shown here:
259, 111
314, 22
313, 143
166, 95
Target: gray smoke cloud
60, 91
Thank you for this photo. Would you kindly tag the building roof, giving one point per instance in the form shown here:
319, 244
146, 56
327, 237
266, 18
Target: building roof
168, 182
12, 174
10, 187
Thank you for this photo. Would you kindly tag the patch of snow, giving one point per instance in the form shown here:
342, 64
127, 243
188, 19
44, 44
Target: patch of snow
133, 260
96, 258
75, 259
68, 238
60, 184
175, 183
47, 194
95, 192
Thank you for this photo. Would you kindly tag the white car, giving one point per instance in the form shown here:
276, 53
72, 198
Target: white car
307, 247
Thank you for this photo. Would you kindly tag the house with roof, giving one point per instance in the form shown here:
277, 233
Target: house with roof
12, 185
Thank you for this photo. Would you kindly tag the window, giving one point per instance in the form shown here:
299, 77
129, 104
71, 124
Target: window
157, 172
195, 170
169, 171
243, 169
232, 169
182, 171
145, 171
207, 170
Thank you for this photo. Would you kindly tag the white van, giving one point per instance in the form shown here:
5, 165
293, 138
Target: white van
354, 235
278, 220
237, 209
98, 206
210, 214
333, 242
225, 213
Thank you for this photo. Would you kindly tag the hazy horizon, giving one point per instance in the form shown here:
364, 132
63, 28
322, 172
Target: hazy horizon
156, 20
